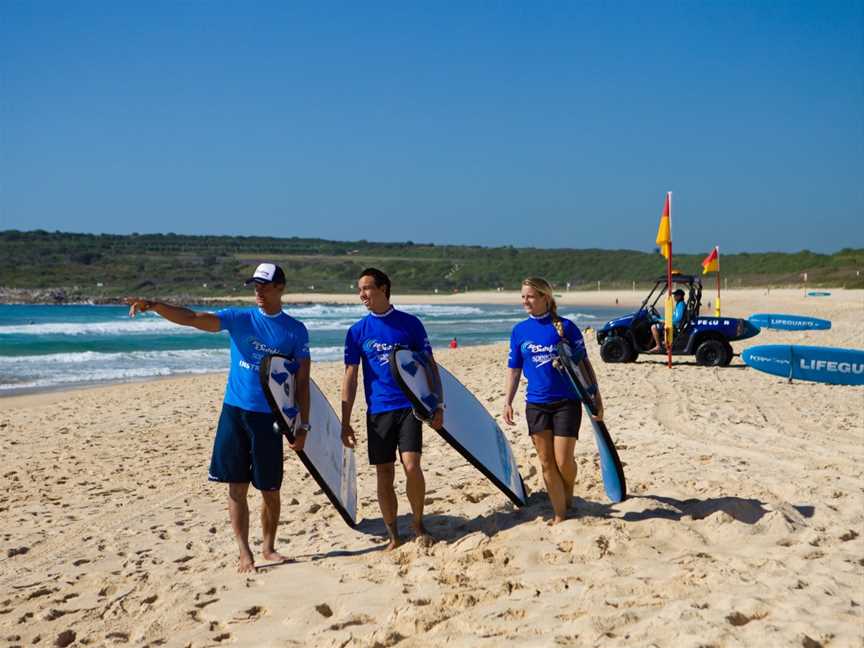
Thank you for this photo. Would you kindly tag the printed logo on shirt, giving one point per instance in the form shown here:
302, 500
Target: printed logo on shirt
260, 350
540, 354
378, 350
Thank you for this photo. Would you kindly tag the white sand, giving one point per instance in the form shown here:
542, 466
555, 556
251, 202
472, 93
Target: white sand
744, 526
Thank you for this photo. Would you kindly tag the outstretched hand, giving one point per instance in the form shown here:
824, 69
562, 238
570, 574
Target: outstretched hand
138, 305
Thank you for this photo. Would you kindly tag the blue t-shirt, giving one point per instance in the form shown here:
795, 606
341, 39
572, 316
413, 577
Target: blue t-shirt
255, 334
534, 347
370, 340
678, 313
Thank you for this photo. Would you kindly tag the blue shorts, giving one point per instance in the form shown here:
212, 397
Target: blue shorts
247, 449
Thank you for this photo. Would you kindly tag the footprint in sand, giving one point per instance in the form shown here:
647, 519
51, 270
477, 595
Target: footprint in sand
204, 604
120, 637
250, 614
353, 620
42, 591
474, 498
740, 619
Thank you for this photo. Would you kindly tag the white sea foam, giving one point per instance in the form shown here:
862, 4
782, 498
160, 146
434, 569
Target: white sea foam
109, 327
576, 317
476, 320
99, 376
325, 310
435, 310
174, 356
326, 354
43, 371
328, 324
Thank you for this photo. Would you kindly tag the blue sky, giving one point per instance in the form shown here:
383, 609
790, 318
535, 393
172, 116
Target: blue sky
549, 124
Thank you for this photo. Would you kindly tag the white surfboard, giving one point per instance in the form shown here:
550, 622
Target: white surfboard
468, 427
330, 463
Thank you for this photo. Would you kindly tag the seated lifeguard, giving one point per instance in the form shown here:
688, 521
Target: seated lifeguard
677, 318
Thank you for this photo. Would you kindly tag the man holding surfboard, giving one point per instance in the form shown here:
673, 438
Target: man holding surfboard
390, 422
246, 449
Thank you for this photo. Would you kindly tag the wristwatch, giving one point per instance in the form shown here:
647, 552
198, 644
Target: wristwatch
304, 427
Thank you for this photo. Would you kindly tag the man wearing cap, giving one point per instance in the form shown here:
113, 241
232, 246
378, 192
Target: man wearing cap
246, 448
677, 318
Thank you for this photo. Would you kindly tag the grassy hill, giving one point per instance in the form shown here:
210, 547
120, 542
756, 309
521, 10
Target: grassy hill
171, 264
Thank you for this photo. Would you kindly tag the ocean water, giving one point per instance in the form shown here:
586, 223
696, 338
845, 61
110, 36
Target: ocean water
46, 347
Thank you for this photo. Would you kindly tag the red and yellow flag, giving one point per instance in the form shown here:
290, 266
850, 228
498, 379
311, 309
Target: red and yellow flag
711, 263
664, 232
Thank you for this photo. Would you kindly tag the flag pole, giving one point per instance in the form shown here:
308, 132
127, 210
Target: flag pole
717, 307
669, 335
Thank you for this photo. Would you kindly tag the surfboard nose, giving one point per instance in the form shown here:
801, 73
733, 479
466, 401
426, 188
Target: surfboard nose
748, 329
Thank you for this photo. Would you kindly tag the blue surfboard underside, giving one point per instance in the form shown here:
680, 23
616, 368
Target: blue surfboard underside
817, 364
787, 322
613, 483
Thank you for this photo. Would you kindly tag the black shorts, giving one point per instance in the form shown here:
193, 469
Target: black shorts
562, 417
390, 430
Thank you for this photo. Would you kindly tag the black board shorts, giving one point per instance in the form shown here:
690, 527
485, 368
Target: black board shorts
388, 431
562, 417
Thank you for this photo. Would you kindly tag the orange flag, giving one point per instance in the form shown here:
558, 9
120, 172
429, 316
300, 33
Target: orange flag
664, 232
711, 263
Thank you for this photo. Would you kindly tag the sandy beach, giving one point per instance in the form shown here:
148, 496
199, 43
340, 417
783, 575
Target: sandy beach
744, 525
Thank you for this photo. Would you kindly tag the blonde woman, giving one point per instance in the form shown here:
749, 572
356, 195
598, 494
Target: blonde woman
552, 407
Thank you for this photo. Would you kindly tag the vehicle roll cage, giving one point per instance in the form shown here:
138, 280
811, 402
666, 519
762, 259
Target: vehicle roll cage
694, 293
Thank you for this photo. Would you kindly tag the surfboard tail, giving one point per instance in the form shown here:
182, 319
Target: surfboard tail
339, 485
468, 427
611, 469
614, 482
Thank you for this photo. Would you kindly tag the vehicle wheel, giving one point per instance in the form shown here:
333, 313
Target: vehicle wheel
729, 353
616, 349
712, 353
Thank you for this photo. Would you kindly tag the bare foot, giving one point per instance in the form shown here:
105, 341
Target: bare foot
275, 557
246, 562
558, 519
393, 533
421, 536
656, 349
